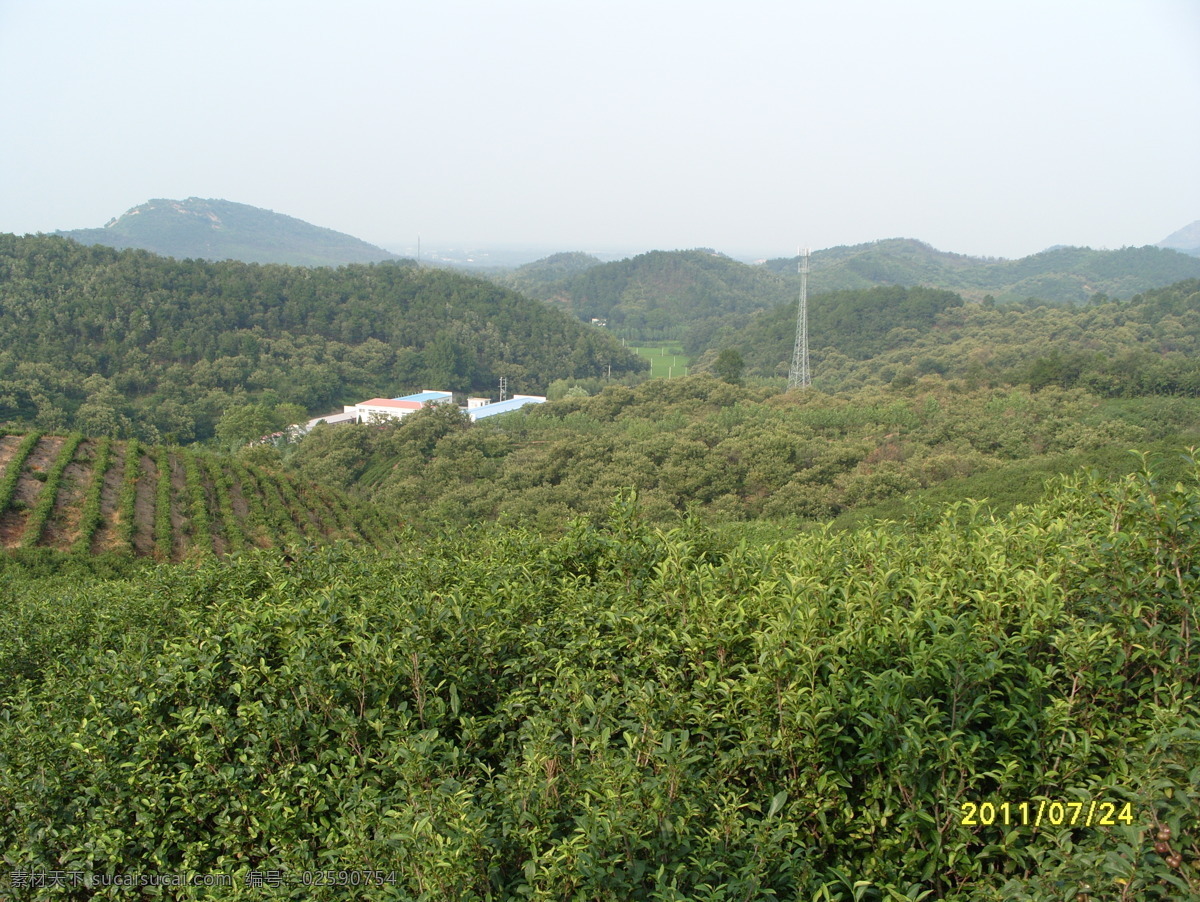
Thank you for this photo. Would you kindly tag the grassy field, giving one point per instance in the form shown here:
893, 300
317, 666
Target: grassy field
667, 359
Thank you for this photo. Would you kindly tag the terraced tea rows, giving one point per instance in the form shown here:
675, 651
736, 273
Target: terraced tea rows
100, 496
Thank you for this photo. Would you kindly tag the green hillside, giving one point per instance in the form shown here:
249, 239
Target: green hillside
127, 343
644, 641
196, 228
992, 709
663, 294
1065, 275
739, 455
1144, 346
543, 278
96, 497
916, 395
696, 296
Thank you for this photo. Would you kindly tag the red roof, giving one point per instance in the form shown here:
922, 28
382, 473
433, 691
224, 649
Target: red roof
388, 402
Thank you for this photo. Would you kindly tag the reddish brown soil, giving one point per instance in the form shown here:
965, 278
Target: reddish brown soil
63, 525
181, 509
12, 523
241, 509
217, 541
317, 515
8, 445
12, 527
105, 537
143, 508
44, 453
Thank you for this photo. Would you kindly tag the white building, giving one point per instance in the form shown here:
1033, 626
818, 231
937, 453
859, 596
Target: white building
485, 408
398, 408
333, 419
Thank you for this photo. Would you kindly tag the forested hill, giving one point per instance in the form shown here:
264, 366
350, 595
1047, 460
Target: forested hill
1059, 275
694, 295
127, 343
661, 294
726, 452
1145, 345
544, 278
196, 228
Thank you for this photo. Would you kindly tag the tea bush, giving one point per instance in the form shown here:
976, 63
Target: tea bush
631, 713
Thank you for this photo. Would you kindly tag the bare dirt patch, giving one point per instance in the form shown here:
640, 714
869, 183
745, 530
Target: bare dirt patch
29, 487
216, 540
143, 508
44, 453
40, 459
63, 525
181, 510
105, 538
8, 447
12, 527
241, 509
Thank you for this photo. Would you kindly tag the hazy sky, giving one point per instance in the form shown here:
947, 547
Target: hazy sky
989, 127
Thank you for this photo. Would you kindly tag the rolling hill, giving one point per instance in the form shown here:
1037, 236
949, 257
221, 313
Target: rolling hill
543, 277
1066, 275
222, 230
1145, 345
127, 343
694, 294
660, 294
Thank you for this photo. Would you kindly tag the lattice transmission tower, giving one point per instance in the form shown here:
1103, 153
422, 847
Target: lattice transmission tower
800, 376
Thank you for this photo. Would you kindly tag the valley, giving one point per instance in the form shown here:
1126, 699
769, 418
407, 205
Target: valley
675, 633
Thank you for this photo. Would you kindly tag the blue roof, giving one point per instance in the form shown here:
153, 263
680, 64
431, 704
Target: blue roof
490, 410
422, 397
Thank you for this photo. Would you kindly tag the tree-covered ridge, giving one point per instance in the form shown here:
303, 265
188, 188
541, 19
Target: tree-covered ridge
1065, 275
663, 294
104, 497
626, 713
893, 261
542, 278
695, 296
223, 230
733, 453
1143, 346
859, 324
127, 343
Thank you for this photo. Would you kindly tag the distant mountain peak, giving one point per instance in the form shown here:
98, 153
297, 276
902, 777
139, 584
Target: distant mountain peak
1186, 239
192, 206
216, 229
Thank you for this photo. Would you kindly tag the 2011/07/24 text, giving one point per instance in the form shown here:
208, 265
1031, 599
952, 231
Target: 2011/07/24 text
1045, 812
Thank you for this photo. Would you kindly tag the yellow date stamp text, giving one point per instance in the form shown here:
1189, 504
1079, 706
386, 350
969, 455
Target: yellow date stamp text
1046, 813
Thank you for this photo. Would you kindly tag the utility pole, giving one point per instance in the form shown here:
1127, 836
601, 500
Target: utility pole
800, 376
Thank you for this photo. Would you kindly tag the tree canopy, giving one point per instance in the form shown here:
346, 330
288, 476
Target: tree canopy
137, 344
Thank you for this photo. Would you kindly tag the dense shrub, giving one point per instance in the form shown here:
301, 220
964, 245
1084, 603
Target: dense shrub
625, 713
